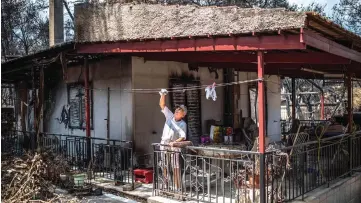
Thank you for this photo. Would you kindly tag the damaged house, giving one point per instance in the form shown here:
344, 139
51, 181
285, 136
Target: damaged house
105, 84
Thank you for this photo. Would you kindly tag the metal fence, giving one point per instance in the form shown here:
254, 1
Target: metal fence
206, 174
317, 163
218, 175
112, 159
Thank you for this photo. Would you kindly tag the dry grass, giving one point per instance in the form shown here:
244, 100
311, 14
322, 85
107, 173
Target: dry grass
112, 22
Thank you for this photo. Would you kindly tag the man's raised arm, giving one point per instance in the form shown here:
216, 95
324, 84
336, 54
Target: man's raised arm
162, 93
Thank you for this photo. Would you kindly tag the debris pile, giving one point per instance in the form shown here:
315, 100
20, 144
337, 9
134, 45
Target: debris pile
30, 178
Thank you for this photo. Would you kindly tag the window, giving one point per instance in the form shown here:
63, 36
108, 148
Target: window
191, 99
76, 101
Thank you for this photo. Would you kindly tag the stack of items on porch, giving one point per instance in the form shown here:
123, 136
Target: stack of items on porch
218, 134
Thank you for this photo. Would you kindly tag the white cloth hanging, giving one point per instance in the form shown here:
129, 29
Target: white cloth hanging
211, 92
163, 92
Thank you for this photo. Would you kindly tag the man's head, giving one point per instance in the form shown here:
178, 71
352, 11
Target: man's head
180, 112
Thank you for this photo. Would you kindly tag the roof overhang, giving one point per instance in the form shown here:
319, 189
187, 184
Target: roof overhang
231, 43
302, 41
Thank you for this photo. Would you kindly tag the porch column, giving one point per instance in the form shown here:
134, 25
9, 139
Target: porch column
87, 107
87, 103
349, 102
261, 120
293, 98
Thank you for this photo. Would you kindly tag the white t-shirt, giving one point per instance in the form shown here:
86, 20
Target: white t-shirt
173, 129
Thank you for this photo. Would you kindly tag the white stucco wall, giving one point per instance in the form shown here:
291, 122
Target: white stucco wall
143, 109
103, 74
273, 107
155, 74
273, 102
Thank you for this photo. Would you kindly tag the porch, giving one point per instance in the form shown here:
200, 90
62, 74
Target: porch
110, 89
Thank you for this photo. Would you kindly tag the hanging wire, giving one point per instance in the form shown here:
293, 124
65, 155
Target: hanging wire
176, 89
156, 90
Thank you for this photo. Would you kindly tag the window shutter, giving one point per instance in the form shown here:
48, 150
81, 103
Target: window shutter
76, 96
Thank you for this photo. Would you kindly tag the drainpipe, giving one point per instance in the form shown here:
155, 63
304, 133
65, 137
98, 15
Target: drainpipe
261, 118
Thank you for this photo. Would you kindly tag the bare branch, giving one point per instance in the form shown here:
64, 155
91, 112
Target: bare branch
68, 10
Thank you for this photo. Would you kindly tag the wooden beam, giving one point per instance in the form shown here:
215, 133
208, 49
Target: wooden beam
241, 57
261, 101
317, 41
241, 43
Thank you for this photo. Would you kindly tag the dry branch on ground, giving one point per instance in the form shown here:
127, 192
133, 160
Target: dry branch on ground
29, 178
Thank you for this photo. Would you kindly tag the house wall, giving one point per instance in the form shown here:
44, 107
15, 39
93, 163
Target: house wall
273, 107
273, 102
112, 73
149, 121
143, 109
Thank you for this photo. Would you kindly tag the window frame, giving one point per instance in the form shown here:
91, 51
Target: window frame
69, 86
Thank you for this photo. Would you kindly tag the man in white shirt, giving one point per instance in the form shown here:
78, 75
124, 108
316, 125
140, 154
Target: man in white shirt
174, 130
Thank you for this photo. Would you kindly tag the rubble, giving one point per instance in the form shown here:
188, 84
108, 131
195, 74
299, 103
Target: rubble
29, 178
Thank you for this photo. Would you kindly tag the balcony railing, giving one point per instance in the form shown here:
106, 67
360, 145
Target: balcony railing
218, 175
111, 159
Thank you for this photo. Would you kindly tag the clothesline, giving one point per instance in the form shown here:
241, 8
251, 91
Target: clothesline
177, 89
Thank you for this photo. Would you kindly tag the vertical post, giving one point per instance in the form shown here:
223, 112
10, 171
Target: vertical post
349, 102
87, 107
322, 106
23, 89
108, 115
261, 120
350, 118
33, 135
34, 97
39, 120
293, 98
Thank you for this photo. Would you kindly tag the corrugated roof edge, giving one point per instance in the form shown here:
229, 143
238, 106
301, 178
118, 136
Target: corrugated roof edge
69, 44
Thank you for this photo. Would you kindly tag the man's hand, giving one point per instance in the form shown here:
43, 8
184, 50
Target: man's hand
178, 140
163, 92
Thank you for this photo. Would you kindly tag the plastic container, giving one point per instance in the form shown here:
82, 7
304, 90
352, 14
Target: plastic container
79, 179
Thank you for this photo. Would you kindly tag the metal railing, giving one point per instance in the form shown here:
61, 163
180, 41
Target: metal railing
316, 163
112, 159
207, 174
